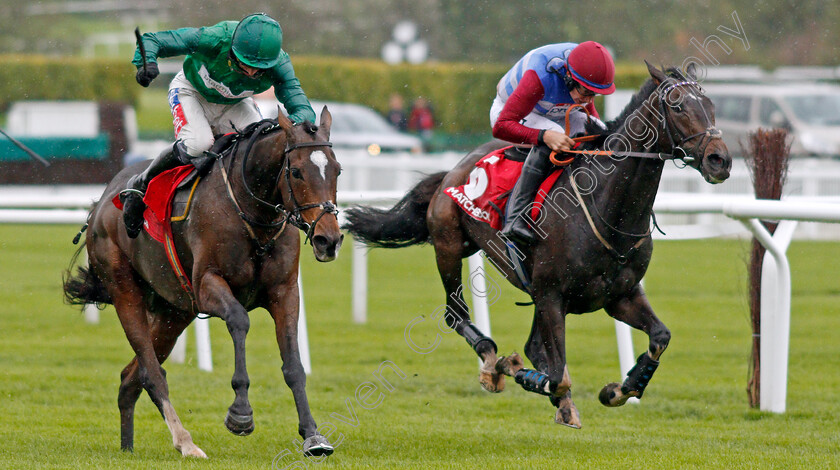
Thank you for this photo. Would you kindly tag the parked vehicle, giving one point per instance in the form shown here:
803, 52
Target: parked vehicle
811, 112
356, 127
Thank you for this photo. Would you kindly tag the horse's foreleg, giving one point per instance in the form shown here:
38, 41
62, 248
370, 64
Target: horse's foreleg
215, 298
164, 333
283, 306
449, 250
636, 311
550, 323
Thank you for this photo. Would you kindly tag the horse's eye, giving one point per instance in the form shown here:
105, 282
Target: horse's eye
296, 173
677, 108
340, 170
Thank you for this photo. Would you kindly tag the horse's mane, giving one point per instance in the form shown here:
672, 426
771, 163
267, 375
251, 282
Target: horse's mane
635, 103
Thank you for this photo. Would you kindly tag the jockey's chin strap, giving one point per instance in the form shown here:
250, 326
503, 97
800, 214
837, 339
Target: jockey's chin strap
293, 216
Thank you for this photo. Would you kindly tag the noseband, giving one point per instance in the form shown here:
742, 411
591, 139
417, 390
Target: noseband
293, 216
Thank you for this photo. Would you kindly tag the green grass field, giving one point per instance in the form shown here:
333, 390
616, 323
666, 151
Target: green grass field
59, 375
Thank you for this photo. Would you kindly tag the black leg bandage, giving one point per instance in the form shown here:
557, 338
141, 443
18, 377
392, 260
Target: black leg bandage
533, 381
639, 376
475, 338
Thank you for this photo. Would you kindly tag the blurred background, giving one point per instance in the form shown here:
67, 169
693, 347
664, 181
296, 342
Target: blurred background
67, 87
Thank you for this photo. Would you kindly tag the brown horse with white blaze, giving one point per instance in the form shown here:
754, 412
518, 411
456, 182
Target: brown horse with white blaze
239, 252
593, 245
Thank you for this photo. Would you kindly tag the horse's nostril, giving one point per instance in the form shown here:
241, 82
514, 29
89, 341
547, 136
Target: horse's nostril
320, 241
715, 160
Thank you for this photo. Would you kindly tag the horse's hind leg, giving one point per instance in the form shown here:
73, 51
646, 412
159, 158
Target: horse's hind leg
637, 312
449, 245
164, 333
130, 308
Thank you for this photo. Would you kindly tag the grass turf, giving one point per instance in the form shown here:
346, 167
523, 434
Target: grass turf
59, 375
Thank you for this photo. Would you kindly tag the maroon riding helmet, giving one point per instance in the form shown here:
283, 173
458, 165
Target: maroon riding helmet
591, 65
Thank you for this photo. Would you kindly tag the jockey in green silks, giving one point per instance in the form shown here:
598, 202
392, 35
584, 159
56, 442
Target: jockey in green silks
225, 65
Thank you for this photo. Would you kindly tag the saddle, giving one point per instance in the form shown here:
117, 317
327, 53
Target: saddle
484, 197
166, 202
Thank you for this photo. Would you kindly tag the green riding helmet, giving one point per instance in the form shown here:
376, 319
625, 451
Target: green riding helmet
257, 40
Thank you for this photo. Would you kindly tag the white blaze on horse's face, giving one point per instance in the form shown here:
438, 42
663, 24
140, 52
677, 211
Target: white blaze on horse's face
319, 158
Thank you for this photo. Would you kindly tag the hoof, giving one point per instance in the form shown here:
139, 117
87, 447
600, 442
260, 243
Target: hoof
509, 365
239, 424
567, 414
192, 450
611, 395
316, 446
492, 382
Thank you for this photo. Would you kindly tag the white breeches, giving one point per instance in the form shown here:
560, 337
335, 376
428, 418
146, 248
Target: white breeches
197, 120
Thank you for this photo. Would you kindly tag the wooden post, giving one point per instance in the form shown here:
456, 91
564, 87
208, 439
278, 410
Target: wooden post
768, 155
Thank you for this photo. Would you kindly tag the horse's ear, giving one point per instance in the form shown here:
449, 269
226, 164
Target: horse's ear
284, 122
326, 121
658, 75
691, 71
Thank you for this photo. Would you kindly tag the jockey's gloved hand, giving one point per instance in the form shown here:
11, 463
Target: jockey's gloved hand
145, 76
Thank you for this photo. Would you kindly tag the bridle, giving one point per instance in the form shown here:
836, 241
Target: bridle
678, 152
707, 135
293, 216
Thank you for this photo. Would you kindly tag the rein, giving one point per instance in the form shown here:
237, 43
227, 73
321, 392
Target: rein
292, 216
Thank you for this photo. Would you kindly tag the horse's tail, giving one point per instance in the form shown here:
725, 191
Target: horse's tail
85, 287
402, 225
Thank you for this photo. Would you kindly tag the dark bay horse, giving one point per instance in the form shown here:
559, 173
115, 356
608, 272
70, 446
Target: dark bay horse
593, 245
240, 252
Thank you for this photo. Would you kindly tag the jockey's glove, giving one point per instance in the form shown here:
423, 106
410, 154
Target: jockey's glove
145, 75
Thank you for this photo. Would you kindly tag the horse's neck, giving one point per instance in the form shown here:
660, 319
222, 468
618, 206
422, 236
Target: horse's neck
630, 184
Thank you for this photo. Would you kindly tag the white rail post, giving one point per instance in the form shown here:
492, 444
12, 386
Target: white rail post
775, 313
179, 351
303, 334
360, 254
91, 312
202, 344
478, 288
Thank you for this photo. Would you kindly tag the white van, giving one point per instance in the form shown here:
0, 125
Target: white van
811, 112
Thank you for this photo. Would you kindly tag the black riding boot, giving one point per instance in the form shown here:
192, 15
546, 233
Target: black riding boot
132, 196
517, 215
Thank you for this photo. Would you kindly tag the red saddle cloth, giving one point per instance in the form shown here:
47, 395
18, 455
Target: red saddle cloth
158, 201
485, 195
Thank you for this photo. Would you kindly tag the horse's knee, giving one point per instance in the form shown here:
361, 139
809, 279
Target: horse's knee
238, 322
